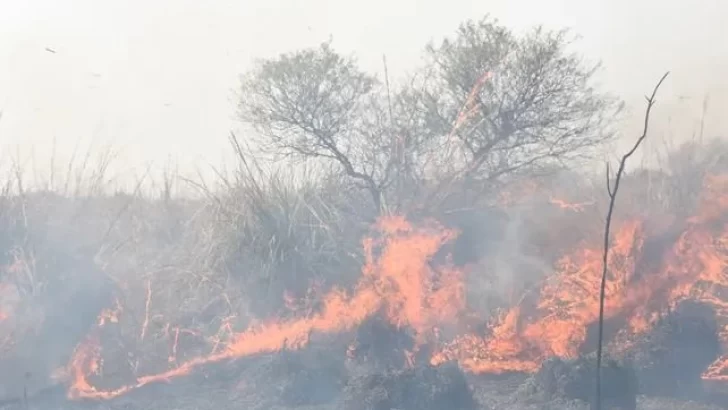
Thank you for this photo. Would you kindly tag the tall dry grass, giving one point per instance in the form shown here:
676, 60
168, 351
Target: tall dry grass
183, 266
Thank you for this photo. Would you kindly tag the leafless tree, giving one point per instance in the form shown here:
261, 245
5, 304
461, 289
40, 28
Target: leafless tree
309, 104
487, 103
504, 103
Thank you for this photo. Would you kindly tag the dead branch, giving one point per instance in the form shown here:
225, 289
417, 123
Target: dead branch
612, 191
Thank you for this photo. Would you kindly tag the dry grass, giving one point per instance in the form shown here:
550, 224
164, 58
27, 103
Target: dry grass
181, 268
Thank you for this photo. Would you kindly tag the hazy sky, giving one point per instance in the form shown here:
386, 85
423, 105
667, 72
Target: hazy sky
158, 77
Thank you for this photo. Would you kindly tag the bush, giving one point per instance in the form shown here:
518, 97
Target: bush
559, 379
421, 388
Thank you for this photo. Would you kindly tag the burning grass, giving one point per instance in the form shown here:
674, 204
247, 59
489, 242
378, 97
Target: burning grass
134, 291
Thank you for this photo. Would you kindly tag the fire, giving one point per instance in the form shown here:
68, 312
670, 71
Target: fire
110, 315
568, 303
564, 204
397, 280
7, 293
469, 109
407, 281
3, 314
694, 267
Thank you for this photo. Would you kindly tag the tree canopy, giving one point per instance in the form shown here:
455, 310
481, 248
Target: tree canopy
486, 104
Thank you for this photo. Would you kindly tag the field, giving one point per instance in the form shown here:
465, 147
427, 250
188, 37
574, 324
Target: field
265, 291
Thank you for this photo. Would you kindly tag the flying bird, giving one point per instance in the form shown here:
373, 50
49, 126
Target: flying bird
50, 50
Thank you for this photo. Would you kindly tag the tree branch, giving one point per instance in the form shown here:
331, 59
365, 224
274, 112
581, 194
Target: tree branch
612, 191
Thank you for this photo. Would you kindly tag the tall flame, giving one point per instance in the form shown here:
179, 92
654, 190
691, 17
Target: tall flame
694, 267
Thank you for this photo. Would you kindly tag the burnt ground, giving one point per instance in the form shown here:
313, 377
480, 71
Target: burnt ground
257, 384
665, 365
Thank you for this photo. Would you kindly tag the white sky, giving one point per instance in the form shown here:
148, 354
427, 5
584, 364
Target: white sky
158, 77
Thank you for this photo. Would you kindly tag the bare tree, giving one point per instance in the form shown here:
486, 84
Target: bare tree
309, 104
504, 103
488, 103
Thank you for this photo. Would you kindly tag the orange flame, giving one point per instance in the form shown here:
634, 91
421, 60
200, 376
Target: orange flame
652, 269
566, 205
695, 267
400, 281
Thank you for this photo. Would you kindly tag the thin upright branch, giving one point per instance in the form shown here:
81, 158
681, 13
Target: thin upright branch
389, 93
396, 146
612, 191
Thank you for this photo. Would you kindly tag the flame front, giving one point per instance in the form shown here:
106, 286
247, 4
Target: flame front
397, 280
694, 266
406, 280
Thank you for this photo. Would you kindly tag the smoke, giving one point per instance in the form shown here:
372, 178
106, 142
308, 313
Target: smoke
51, 291
166, 269
511, 243
493, 244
